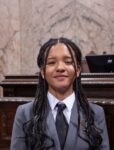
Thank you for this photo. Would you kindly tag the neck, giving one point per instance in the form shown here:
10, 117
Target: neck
60, 94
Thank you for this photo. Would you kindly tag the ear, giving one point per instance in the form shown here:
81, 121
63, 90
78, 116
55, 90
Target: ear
78, 70
42, 72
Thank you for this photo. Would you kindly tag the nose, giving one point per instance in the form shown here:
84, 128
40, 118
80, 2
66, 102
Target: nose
60, 67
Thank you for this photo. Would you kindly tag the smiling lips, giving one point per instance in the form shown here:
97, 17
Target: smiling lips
60, 77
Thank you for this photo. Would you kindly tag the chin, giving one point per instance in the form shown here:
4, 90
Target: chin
62, 89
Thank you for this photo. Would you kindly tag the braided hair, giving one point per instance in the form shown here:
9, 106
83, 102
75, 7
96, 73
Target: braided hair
35, 129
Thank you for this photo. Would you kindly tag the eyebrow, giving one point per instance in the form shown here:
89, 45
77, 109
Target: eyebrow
66, 57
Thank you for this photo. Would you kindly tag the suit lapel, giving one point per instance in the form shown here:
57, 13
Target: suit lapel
70, 143
51, 130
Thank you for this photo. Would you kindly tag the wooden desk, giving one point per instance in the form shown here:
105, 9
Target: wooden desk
19, 85
95, 85
98, 85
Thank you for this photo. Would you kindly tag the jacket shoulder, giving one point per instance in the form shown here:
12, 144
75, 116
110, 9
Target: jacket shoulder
96, 107
25, 110
98, 112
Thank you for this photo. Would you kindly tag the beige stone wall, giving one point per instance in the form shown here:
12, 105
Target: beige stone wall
9, 37
26, 24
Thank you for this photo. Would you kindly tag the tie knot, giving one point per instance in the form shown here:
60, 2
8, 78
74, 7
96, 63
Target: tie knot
60, 106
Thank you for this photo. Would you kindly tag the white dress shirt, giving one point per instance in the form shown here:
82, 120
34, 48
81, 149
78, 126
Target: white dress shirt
69, 101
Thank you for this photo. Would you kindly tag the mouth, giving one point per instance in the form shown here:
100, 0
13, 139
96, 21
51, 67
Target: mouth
61, 77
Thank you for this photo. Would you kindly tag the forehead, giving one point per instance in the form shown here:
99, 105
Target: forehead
60, 50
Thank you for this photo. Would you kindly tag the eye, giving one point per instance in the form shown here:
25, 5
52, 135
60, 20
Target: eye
50, 62
68, 62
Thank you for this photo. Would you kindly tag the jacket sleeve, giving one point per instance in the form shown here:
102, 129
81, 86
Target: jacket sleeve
18, 140
100, 119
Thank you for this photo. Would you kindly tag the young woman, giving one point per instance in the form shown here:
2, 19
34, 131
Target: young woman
36, 123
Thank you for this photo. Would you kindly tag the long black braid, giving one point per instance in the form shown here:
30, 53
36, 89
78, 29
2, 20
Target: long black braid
35, 129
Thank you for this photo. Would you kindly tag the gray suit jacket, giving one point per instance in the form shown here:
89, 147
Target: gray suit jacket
73, 141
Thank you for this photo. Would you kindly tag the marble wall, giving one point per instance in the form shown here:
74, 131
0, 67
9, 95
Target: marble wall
9, 37
26, 24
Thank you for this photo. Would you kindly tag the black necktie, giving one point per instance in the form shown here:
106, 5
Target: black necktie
61, 124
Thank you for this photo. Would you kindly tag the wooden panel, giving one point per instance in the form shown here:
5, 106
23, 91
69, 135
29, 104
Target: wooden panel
7, 113
96, 85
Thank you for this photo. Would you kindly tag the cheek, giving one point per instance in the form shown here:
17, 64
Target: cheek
72, 75
72, 71
48, 74
50, 70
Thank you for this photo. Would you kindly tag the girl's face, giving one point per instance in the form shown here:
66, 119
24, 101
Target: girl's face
60, 70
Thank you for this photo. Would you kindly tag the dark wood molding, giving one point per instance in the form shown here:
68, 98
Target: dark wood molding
98, 85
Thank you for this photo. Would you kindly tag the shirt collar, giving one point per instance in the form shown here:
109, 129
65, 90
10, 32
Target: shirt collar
69, 101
